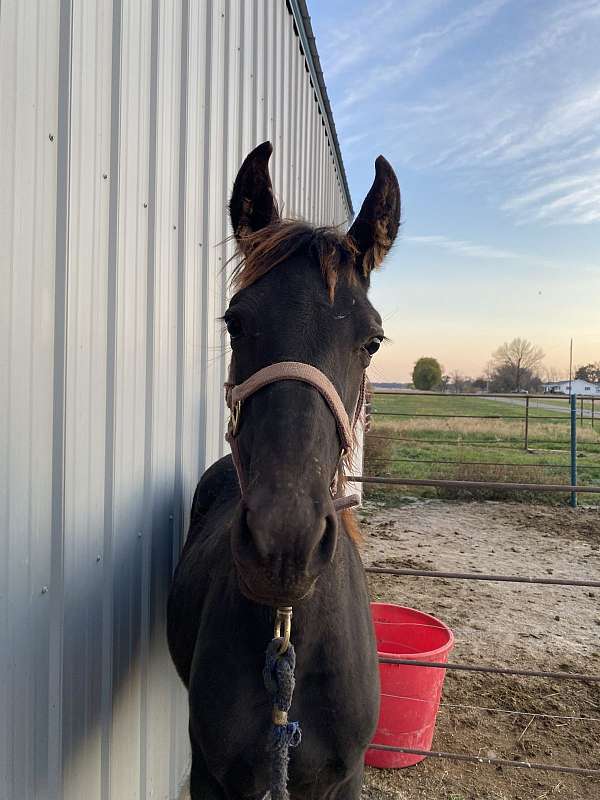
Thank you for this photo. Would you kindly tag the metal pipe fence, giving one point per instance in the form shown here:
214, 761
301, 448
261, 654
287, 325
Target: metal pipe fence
493, 762
572, 489
492, 670
530, 443
482, 443
477, 576
500, 485
479, 463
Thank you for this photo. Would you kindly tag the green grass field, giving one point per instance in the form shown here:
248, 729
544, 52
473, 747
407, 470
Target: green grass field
475, 438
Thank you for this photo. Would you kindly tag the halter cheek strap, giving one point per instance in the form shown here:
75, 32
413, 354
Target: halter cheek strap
293, 371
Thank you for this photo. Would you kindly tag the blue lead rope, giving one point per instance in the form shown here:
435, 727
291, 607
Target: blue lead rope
278, 675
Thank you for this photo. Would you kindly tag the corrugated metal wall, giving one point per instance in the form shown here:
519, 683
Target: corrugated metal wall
123, 124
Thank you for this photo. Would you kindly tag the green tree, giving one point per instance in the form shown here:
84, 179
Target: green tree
427, 373
589, 372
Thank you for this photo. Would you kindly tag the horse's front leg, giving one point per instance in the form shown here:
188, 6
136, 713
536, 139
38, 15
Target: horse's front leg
351, 788
202, 785
348, 788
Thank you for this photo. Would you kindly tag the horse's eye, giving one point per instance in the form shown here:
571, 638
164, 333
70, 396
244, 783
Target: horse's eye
234, 328
373, 346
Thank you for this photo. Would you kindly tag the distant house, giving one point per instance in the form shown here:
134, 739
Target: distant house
576, 386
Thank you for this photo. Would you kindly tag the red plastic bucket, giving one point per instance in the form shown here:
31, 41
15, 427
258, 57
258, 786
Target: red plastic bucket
410, 696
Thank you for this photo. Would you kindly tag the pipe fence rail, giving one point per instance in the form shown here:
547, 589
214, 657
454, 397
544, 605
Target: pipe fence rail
460, 416
479, 463
510, 485
493, 762
491, 670
476, 576
461, 442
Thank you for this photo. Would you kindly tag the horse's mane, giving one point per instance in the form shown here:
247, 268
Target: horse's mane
259, 252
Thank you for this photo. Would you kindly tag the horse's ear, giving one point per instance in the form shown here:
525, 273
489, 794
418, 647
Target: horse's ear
252, 205
375, 228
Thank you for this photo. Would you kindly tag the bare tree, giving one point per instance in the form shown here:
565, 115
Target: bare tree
554, 375
519, 357
458, 381
489, 370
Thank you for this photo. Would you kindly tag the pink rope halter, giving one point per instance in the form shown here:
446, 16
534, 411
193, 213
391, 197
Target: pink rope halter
294, 371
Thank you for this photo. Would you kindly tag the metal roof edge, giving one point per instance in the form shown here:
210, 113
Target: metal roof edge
306, 34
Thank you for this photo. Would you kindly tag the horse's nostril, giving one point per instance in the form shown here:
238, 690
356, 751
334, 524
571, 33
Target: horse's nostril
246, 543
328, 540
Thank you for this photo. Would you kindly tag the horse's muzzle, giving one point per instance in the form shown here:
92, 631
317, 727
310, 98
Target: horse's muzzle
279, 556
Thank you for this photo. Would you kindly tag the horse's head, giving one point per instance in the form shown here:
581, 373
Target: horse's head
301, 296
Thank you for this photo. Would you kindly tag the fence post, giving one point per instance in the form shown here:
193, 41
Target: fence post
593, 398
581, 410
527, 423
574, 448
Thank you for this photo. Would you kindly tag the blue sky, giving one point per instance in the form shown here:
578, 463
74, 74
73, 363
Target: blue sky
489, 110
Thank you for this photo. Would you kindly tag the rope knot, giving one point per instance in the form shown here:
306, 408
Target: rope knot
278, 676
289, 735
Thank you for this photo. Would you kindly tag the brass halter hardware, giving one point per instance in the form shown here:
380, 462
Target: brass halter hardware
234, 417
283, 616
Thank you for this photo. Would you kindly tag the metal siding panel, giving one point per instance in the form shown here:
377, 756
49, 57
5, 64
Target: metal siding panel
299, 105
319, 172
305, 183
286, 111
292, 122
238, 85
322, 175
215, 233
133, 336
260, 70
247, 107
230, 156
147, 529
195, 245
264, 50
314, 166
159, 744
273, 68
85, 409
179, 747
29, 46
129, 399
278, 105
192, 324
204, 46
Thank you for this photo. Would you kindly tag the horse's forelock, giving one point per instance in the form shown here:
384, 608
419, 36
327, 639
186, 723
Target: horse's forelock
260, 252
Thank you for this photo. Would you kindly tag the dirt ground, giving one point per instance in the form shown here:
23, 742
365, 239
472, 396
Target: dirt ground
533, 627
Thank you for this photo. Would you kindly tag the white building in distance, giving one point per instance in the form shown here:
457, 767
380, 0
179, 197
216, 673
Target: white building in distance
576, 386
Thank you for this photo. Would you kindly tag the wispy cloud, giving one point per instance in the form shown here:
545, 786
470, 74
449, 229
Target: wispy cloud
511, 104
573, 200
417, 51
463, 248
484, 252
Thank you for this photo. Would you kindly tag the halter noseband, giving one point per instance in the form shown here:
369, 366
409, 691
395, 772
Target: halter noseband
293, 371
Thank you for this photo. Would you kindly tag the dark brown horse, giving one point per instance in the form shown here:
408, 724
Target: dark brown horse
301, 296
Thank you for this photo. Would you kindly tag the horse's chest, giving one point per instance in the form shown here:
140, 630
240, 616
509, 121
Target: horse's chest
337, 712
